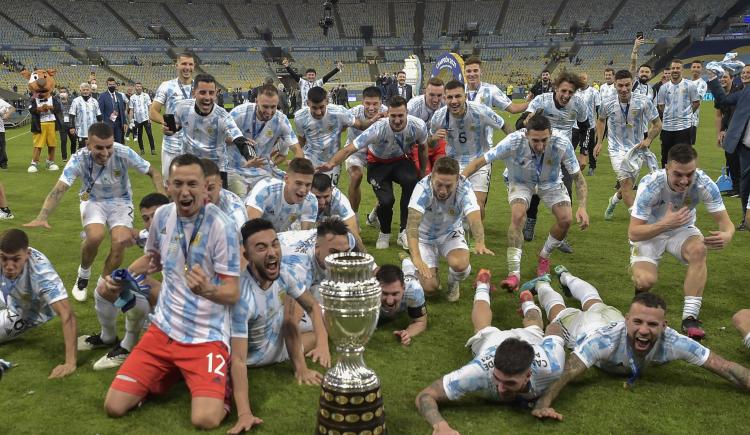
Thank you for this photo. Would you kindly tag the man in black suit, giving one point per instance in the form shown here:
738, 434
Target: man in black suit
400, 87
114, 111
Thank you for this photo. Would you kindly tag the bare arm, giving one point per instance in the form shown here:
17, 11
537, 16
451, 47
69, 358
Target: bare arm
731, 371
294, 345
156, 179
427, 405
50, 204
574, 368
517, 107
720, 239
412, 236
321, 353
154, 112
70, 331
695, 105
339, 157
581, 189
474, 166
653, 131
640, 230
417, 326
226, 293
477, 230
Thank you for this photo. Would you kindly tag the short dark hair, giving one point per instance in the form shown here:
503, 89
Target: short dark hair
154, 199
682, 153
372, 92
609, 69
572, 78
137, 83
401, 72
310, 70
623, 74
513, 356
14, 240
545, 70
435, 81
102, 130
111, 79
316, 95
334, 226
268, 89
254, 226
696, 61
205, 78
675, 60
645, 65
187, 160
389, 273
538, 122
186, 55
454, 84
301, 165
397, 101
321, 182
473, 60
446, 165
650, 300
210, 167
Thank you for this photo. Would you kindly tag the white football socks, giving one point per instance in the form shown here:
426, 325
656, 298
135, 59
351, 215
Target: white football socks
580, 289
691, 307
514, 261
482, 292
106, 312
548, 297
84, 273
550, 245
134, 320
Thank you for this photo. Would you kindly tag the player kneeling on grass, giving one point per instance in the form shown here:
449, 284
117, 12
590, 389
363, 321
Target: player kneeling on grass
628, 346
514, 366
402, 292
534, 156
333, 203
663, 219
263, 331
106, 199
197, 249
32, 293
106, 296
437, 208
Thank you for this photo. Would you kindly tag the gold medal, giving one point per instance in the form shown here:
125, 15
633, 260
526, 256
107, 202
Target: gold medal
85, 196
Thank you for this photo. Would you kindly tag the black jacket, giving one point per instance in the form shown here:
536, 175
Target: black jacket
36, 123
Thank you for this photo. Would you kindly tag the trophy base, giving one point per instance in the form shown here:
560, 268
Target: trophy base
351, 413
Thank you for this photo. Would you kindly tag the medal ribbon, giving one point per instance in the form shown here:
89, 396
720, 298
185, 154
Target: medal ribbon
186, 246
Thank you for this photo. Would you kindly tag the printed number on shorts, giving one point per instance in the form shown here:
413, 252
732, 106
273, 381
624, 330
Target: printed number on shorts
456, 234
221, 362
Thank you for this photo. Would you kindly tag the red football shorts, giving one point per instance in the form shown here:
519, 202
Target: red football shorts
432, 155
157, 362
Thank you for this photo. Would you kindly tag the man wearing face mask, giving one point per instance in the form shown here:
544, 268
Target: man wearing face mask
206, 127
84, 111
513, 366
66, 100
663, 220
534, 157
114, 109
630, 345
106, 201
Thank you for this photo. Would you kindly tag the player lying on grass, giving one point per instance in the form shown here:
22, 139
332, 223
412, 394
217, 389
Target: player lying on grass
402, 292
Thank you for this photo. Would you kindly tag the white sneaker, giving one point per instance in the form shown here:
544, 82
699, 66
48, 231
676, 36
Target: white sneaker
113, 359
402, 241
51, 166
6, 215
384, 241
454, 291
79, 293
32, 169
372, 219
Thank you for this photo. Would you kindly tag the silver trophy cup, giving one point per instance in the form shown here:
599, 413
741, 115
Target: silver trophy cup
350, 399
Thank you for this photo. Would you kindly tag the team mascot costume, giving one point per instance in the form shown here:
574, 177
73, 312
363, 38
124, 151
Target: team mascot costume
46, 116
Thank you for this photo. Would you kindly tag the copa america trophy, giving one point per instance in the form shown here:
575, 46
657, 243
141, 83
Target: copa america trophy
350, 399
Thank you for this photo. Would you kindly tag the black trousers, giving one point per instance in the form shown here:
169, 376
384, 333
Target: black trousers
586, 143
381, 177
119, 134
64, 137
670, 139
733, 163
139, 132
3, 154
533, 209
744, 189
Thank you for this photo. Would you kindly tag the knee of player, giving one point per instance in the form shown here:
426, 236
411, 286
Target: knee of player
695, 251
741, 319
205, 420
565, 221
643, 280
114, 410
430, 286
387, 200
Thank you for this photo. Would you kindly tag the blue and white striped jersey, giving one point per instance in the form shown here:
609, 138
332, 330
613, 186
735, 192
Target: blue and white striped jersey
564, 118
168, 95
259, 314
85, 113
417, 107
305, 86
525, 167
440, 218
181, 314
608, 349
353, 133
139, 104
323, 136
339, 207
607, 90
591, 99
273, 135
488, 95
476, 377
627, 122
205, 136
385, 145
412, 302
233, 207
267, 197
108, 183
677, 100
701, 86
467, 138
31, 294
654, 196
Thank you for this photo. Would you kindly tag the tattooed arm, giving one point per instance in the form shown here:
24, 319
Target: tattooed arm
477, 230
731, 371
412, 237
427, 405
582, 195
574, 367
50, 203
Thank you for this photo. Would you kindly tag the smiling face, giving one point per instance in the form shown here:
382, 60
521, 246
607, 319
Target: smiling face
680, 175
609, 77
330, 244
187, 188
263, 254
443, 185
12, 263
624, 87
433, 96
391, 296
397, 117
205, 96
401, 78
371, 106
265, 106
675, 71
324, 198
745, 76
564, 92
473, 74
185, 66
456, 100
147, 215
696, 69
645, 326
296, 187
101, 149
538, 139
508, 386
213, 188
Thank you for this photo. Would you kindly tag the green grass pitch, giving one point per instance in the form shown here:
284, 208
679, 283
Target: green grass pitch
673, 399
